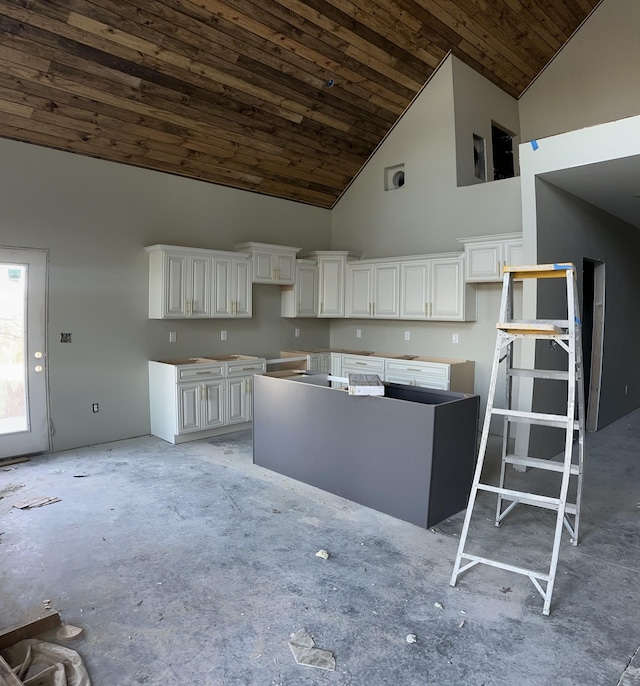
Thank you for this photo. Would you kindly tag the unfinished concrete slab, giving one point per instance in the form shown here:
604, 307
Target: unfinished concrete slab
188, 564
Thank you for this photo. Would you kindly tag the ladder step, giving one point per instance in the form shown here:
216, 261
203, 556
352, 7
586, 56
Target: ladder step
534, 499
557, 420
539, 271
530, 329
502, 565
540, 463
540, 373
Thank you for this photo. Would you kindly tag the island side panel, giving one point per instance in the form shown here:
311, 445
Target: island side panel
374, 451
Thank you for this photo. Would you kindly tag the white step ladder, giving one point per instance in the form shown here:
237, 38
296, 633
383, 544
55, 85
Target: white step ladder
566, 334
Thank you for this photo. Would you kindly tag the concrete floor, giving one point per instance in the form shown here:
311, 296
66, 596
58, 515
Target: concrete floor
189, 565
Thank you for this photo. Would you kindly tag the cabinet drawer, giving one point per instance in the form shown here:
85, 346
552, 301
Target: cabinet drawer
432, 370
359, 363
245, 367
200, 372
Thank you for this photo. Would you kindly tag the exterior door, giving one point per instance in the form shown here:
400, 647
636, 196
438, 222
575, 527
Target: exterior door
24, 420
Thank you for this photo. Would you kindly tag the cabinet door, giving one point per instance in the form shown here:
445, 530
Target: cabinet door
513, 253
386, 298
414, 289
241, 288
189, 408
199, 287
483, 262
175, 285
213, 404
314, 362
237, 400
359, 291
447, 292
221, 300
331, 276
264, 265
286, 268
306, 290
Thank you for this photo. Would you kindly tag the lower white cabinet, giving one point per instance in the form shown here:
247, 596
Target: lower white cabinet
200, 397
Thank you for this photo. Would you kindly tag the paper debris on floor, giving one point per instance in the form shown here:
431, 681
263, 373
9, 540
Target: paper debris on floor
10, 488
304, 651
412, 638
324, 554
67, 631
37, 502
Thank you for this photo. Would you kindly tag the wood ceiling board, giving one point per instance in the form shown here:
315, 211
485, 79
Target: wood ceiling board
236, 91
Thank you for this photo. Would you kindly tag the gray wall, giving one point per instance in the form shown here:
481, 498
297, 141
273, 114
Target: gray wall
570, 229
594, 78
95, 218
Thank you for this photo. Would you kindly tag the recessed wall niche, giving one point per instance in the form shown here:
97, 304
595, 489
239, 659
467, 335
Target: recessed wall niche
394, 177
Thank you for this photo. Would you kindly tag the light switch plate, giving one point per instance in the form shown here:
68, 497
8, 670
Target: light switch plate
223, 335
172, 336
407, 335
358, 333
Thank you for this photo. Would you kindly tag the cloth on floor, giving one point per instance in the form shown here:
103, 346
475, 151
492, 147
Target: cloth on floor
39, 663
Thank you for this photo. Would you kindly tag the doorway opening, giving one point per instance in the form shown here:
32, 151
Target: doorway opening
592, 337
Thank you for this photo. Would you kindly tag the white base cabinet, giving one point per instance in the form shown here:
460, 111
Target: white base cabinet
200, 398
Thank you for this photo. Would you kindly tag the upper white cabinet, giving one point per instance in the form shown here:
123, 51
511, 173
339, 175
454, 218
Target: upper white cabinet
373, 289
332, 267
198, 283
232, 278
179, 282
271, 263
433, 288
485, 256
301, 299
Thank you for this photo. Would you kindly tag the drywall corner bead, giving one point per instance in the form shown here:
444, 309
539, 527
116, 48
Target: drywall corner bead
534, 144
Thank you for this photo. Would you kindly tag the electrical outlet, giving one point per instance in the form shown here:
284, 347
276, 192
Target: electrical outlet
296, 333
358, 333
407, 335
454, 338
223, 335
95, 407
172, 336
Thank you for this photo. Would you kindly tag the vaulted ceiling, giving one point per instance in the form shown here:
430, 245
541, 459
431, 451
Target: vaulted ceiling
284, 97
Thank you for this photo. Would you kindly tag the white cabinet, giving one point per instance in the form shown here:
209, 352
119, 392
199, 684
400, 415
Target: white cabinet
232, 295
443, 374
239, 388
198, 283
199, 397
271, 263
485, 256
373, 289
179, 283
301, 299
200, 406
434, 289
362, 364
332, 267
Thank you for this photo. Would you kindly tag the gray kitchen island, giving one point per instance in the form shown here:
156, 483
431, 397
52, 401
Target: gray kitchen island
409, 454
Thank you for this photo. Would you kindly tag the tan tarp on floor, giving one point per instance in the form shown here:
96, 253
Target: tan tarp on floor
46, 664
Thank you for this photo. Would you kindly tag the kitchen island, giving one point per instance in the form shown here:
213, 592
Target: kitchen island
409, 454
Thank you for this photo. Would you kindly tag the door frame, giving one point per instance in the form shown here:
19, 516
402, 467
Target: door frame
597, 344
40, 315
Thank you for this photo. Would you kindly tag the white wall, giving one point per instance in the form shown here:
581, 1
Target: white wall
429, 213
594, 79
95, 218
478, 104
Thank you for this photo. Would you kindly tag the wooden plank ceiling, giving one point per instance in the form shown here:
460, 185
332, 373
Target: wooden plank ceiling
284, 97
